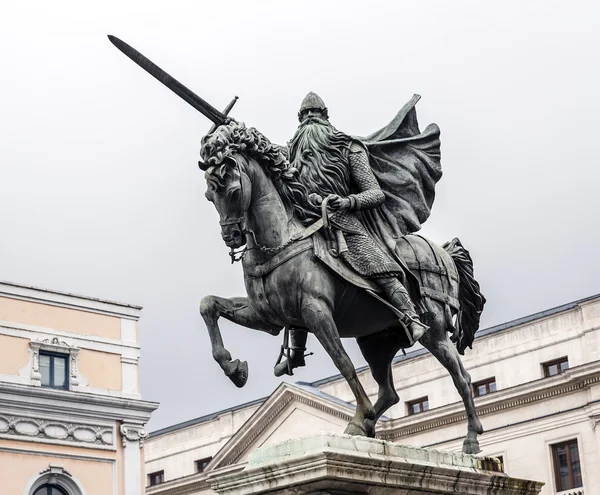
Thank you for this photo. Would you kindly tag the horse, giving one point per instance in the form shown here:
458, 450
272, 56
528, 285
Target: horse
254, 190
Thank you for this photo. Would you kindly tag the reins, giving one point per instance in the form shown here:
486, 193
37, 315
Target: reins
238, 255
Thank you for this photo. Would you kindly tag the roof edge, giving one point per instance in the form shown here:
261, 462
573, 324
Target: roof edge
480, 334
207, 417
67, 299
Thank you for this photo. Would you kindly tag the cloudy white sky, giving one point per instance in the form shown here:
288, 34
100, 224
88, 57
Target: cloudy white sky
100, 193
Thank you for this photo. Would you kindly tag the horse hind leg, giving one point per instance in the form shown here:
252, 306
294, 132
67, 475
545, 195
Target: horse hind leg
439, 344
379, 350
237, 310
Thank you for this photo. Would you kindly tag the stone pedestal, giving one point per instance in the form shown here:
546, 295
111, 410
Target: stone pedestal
342, 464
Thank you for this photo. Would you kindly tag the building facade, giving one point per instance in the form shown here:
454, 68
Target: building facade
537, 387
72, 420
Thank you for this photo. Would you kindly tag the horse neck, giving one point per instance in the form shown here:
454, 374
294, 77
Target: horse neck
267, 215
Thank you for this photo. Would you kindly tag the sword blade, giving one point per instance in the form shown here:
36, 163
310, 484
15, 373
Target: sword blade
170, 82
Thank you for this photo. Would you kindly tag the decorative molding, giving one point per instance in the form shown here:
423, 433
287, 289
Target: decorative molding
133, 433
258, 428
263, 423
57, 476
56, 431
189, 488
69, 301
84, 406
499, 404
54, 469
60, 347
83, 341
35, 451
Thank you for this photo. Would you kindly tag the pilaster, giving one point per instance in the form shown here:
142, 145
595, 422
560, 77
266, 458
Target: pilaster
133, 436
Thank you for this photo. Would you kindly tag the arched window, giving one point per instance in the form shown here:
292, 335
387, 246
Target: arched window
53, 481
50, 490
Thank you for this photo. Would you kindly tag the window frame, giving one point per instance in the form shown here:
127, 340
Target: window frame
558, 362
59, 347
204, 460
420, 401
53, 355
487, 383
555, 467
162, 477
56, 490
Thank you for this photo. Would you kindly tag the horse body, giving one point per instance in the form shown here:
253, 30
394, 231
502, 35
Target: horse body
291, 287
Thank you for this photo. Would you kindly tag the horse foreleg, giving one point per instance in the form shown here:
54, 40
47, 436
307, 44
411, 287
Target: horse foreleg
238, 310
379, 350
319, 320
440, 345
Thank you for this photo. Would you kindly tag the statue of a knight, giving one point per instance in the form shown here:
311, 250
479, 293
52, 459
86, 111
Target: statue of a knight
377, 189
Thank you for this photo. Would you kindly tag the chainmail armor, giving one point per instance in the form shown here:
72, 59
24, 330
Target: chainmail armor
370, 195
364, 254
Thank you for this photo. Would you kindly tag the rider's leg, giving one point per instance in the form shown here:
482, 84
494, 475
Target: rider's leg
298, 338
397, 295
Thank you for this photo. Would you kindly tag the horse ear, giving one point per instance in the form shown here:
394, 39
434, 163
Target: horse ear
203, 166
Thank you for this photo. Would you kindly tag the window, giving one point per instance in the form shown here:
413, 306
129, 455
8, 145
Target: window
156, 478
484, 387
567, 469
418, 406
202, 463
556, 367
54, 370
49, 490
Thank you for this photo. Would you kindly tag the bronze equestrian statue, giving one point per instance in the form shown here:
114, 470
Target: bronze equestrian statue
324, 229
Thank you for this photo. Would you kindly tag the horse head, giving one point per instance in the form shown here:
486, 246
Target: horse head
229, 189
236, 160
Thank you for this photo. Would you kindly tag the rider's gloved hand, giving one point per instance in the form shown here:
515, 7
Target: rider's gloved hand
336, 202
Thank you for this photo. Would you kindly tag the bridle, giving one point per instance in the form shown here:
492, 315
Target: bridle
240, 221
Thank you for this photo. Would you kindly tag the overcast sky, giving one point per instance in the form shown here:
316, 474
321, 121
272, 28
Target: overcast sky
100, 193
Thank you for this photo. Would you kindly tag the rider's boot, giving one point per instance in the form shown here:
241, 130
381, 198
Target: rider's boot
397, 296
298, 338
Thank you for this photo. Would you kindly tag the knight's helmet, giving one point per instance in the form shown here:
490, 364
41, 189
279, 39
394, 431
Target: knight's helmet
312, 101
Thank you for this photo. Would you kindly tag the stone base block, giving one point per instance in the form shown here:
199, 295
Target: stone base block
343, 464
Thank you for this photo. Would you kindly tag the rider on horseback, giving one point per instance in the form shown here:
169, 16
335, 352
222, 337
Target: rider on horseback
335, 168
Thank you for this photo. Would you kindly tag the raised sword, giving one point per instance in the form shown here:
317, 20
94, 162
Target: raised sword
174, 85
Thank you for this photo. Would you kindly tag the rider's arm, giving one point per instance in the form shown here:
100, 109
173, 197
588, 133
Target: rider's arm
370, 195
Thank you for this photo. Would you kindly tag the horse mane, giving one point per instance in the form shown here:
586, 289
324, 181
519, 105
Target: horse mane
219, 147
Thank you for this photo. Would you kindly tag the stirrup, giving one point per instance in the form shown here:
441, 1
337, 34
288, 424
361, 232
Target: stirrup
406, 321
286, 351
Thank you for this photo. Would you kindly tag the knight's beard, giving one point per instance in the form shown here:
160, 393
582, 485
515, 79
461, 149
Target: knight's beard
325, 169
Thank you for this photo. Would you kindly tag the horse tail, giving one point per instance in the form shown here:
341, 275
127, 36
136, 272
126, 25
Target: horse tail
469, 295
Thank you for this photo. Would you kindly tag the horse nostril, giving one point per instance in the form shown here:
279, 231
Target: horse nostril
236, 233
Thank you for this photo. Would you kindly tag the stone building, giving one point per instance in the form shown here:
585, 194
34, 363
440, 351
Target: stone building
537, 387
71, 414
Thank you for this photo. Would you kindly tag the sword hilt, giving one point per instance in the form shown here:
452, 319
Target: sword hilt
228, 108
225, 112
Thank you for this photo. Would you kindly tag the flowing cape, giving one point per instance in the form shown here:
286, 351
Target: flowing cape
407, 165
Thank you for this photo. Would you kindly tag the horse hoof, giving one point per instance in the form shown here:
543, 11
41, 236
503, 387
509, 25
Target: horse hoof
370, 428
239, 376
471, 447
356, 430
